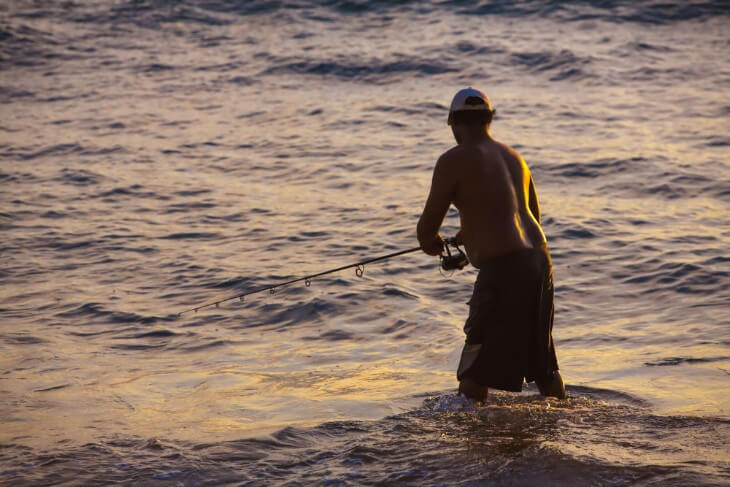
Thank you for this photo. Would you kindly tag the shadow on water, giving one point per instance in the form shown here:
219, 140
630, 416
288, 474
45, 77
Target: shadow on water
595, 437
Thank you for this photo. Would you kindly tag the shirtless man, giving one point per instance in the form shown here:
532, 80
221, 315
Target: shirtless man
509, 328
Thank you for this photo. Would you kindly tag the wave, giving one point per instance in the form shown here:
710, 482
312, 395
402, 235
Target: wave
595, 437
58, 150
10, 94
192, 236
670, 361
618, 11
564, 64
24, 46
598, 168
133, 191
618, 177
24, 43
93, 313
373, 70
220, 12
676, 277
160, 333
670, 187
79, 177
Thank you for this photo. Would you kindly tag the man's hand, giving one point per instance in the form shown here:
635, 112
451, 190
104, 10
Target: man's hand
433, 247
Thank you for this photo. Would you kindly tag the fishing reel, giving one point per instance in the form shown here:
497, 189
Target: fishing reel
457, 260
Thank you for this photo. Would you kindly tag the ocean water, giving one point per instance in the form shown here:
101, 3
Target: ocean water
156, 155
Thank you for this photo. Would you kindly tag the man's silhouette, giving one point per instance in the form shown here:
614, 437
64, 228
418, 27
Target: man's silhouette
509, 328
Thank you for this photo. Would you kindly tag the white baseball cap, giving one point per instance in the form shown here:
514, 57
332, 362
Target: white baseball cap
459, 103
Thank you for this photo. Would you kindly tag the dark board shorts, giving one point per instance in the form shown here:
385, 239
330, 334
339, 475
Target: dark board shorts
509, 328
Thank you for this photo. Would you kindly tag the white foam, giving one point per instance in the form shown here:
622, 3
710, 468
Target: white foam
453, 403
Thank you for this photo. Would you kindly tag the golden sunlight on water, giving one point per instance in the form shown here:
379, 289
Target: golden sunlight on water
254, 389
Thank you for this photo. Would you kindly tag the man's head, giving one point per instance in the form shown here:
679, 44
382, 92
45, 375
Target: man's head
470, 112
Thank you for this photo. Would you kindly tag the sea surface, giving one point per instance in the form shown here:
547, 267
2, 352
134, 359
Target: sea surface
157, 155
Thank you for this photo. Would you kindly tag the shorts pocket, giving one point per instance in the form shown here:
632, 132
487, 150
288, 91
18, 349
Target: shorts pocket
482, 305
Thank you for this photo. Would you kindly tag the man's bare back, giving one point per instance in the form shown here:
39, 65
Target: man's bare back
490, 185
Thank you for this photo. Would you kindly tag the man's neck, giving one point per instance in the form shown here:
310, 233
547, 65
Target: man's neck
475, 137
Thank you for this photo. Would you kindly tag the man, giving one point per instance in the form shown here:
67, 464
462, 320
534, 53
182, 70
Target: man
509, 328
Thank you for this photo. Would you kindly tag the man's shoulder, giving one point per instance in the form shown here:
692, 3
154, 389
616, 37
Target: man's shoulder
447, 162
507, 150
457, 153
452, 153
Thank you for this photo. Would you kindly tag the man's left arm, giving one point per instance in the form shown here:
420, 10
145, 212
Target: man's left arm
437, 204
533, 204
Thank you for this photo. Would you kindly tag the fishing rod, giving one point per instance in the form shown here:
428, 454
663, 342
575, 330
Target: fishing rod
449, 261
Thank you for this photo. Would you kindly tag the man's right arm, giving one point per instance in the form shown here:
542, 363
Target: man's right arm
437, 204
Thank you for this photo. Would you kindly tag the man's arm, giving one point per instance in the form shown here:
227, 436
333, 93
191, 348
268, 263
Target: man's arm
437, 204
533, 203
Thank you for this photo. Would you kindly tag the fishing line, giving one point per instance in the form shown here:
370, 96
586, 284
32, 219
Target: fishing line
449, 262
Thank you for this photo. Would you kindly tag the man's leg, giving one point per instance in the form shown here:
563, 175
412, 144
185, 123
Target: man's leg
552, 385
472, 390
